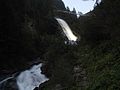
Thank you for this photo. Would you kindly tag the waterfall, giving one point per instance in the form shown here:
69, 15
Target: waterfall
26, 80
67, 30
32, 78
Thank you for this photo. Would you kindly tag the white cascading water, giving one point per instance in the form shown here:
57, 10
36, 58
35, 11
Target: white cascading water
66, 29
32, 78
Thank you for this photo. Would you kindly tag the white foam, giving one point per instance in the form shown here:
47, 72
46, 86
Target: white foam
32, 78
66, 29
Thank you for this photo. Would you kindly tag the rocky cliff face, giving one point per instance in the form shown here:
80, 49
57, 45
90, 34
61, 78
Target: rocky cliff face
21, 24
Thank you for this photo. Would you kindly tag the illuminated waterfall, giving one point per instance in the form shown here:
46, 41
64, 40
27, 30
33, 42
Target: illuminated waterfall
66, 29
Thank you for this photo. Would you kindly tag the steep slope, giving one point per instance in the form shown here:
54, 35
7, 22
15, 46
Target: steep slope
99, 48
22, 24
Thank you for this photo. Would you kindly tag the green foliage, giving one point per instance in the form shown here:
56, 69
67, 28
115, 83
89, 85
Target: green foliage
101, 23
101, 63
21, 24
99, 50
29, 30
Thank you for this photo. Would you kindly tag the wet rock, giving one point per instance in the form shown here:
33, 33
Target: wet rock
36, 88
9, 85
83, 72
80, 76
58, 87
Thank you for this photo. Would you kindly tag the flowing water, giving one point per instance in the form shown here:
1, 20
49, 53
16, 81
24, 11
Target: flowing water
67, 30
32, 78
27, 80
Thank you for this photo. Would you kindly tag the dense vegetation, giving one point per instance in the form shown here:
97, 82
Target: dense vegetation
22, 24
99, 48
28, 30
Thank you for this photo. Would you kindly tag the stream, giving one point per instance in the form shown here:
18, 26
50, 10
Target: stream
26, 80
33, 77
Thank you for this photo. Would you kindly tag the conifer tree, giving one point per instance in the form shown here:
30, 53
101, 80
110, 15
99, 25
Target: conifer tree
74, 10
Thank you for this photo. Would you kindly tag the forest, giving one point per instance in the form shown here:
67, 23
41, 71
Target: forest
28, 31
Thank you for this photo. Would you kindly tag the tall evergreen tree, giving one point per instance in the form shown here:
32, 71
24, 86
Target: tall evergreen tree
67, 8
74, 10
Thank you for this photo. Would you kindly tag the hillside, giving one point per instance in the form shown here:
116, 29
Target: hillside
29, 31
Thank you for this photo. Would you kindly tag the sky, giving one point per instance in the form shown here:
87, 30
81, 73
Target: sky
83, 6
